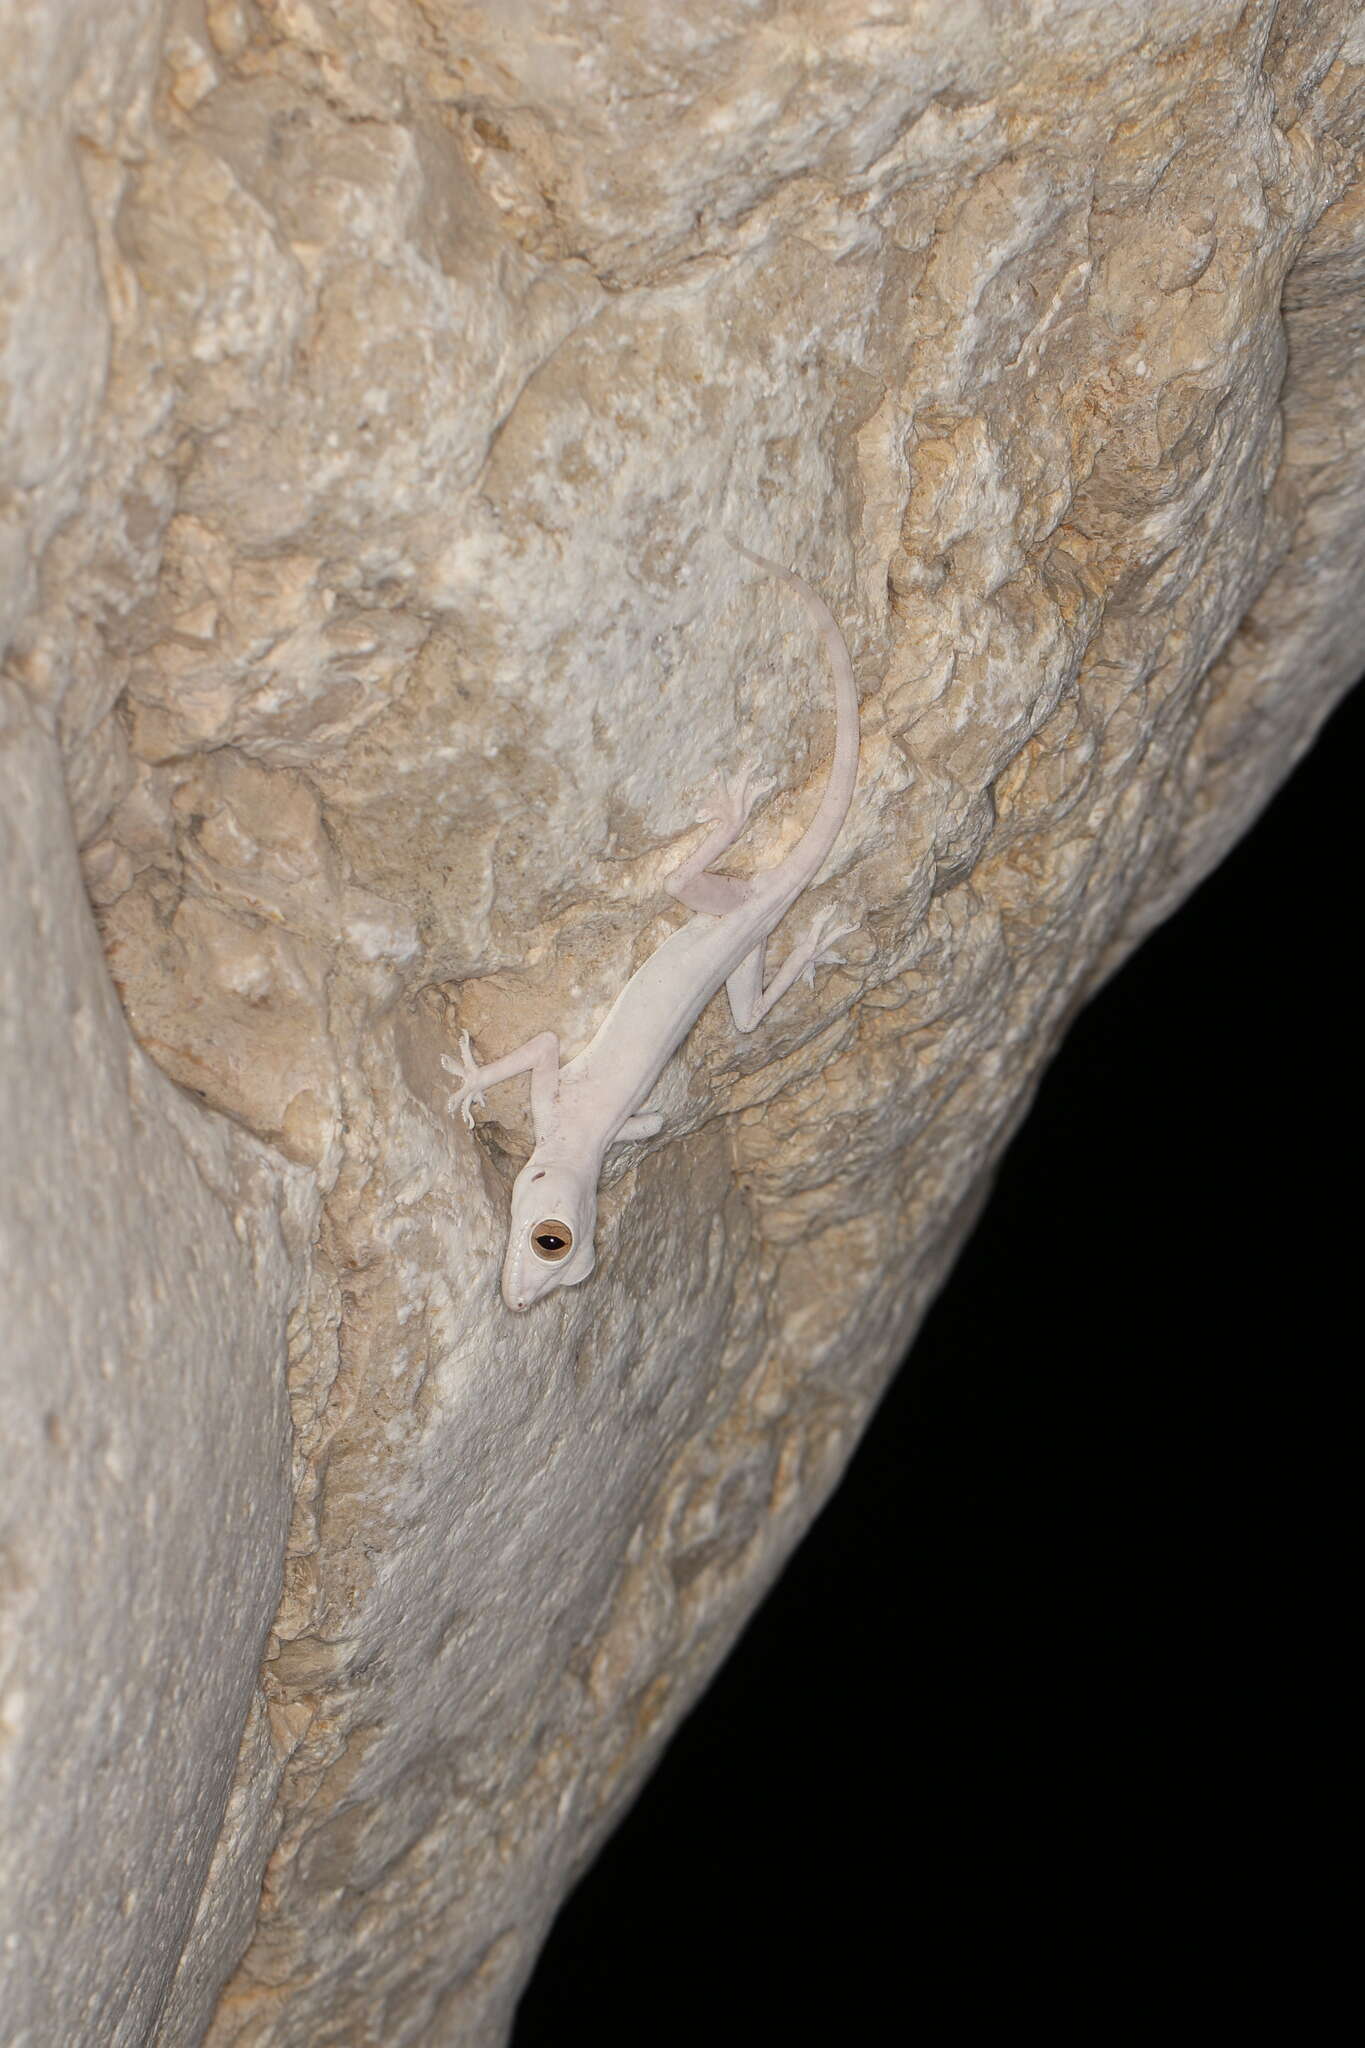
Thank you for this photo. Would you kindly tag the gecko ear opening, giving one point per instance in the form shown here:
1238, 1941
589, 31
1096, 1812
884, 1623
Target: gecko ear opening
551, 1240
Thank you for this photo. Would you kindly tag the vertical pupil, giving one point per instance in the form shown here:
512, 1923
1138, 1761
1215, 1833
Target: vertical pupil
552, 1239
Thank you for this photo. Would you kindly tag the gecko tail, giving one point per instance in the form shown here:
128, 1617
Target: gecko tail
844, 767
759, 561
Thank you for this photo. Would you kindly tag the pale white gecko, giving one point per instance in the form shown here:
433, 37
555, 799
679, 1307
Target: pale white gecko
596, 1099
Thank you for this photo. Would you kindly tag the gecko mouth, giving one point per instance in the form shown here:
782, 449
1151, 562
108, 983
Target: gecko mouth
551, 1240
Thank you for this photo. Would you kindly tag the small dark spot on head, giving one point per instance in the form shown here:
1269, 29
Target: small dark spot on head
539, 1176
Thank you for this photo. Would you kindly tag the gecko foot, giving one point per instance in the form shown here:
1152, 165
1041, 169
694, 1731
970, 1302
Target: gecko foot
730, 808
470, 1095
825, 932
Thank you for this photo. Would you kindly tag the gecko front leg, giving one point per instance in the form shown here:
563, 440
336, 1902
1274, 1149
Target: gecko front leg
539, 1056
750, 1000
646, 1123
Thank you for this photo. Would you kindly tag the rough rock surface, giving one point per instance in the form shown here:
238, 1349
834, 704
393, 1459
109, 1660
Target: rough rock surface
144, 1469
373, 376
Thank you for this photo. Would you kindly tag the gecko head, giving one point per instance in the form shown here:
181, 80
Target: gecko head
549, 1245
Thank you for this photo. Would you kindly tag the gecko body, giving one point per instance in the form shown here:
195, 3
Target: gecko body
595, 1100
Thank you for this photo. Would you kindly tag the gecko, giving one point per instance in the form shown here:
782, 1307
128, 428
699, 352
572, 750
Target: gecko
597, 1099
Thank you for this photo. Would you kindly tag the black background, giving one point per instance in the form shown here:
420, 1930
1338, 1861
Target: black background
1037, 1723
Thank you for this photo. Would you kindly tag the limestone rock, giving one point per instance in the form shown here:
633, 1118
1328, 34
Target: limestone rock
376, 378
149, 1255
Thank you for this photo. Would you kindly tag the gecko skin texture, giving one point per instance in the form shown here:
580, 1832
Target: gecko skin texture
597, 1099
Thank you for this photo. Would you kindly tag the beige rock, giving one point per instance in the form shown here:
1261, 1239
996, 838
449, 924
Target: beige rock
375, 376
150, 1255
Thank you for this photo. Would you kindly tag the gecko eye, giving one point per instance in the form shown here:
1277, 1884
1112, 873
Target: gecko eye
552, 1239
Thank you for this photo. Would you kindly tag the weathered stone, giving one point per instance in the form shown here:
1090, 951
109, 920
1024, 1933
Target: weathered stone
366, 445
148, 1254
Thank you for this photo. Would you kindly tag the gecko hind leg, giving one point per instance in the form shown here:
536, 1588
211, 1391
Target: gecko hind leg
751, 1000
727, 815
539, 1056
